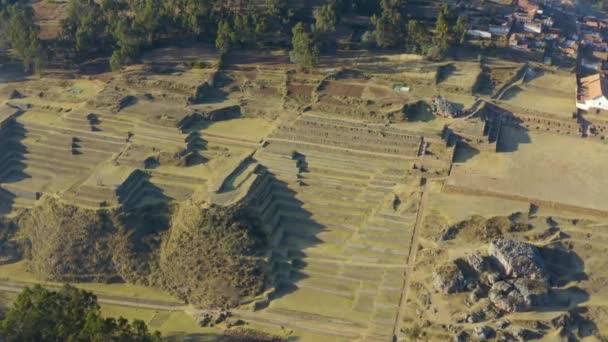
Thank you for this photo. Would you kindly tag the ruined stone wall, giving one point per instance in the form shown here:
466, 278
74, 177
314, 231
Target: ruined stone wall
541, 203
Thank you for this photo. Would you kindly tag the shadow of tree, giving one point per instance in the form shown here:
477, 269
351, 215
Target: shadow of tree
445, 71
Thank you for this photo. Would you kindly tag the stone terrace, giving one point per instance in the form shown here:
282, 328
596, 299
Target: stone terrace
334, 230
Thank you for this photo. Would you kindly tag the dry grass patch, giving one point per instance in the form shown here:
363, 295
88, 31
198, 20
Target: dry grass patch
551, 93
541, 166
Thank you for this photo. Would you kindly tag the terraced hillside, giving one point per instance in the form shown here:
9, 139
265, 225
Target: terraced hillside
346, 181
341, 218
94, 156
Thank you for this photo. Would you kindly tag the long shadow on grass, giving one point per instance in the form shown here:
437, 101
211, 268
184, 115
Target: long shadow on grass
137, 190
12, 161
505, 129
511, 137
12, 153
193, 338
464, 152
419, 112
293, 229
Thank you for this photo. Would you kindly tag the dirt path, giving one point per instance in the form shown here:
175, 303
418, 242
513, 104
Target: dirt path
411, 260
14, 287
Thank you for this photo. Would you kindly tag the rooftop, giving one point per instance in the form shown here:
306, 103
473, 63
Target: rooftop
592, 87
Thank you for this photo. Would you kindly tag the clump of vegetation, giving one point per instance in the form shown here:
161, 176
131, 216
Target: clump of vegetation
208, 256
68, 314
212, 256
479, 228
68, 243
305, 53
326, 19
449, 30
389, 26
18, 29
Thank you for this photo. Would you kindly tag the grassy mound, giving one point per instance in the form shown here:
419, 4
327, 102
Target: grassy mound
67, 243
211, 256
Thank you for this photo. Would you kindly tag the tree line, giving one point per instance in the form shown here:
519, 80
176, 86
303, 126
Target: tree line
121, 29
68, 314
391, 29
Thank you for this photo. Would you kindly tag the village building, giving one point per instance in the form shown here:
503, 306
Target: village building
518, 41
501, 30
480, 34
533, 27
591, 63
592, 93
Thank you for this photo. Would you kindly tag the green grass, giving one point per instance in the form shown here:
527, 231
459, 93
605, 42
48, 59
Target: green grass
17, 272
457, 207
315, 302
172, 324
250, 129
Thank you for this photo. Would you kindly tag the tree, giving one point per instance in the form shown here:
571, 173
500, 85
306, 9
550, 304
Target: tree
129, 44
84, 29
460, 29
21, 32
149, 18
325, 19
417, 35
389, 26
442, 30
225, 36
325, 25
304, 51
68, 314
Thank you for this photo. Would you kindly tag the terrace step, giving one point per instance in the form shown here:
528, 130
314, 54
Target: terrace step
21, 190
323, 325
295, 224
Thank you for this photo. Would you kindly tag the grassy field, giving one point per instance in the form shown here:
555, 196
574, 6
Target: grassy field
548, 167
552, 93
459, 76
176, 325
250, 129
456, 207
17, 272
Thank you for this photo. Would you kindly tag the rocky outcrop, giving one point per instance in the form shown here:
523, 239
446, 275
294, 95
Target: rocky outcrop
518, 259
518, 295
449, 278
477, 262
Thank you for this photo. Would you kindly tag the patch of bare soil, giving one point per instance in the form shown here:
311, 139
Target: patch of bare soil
343, 89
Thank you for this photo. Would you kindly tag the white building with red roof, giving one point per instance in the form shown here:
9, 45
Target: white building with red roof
592, 93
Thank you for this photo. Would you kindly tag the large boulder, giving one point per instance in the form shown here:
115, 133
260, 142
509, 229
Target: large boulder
449, 278
518, 259
518, 295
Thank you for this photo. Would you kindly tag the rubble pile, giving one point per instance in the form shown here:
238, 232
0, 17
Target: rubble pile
445, 108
